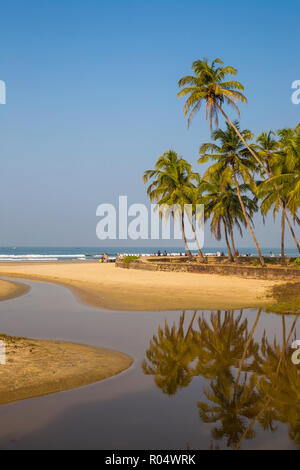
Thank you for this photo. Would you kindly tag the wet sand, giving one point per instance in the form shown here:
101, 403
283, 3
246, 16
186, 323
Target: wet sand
10, 290
108, 287
36, 367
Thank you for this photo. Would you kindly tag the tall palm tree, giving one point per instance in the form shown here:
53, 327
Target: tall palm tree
233, 161
271, 196
171, 183
283, 160
222, 205
209, 86
289, 141
267, 148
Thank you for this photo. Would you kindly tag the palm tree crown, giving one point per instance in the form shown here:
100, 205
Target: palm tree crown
173, 182
233, 161
209, 85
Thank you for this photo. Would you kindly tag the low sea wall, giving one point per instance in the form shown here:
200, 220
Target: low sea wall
285, 273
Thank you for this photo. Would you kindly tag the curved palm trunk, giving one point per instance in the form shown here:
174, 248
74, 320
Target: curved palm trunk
200, 253
244, 142
292, 230
247, 220
282, 237
184, 237
230, 257
232, 242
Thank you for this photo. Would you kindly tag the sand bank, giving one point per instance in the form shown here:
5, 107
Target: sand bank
36, 367
9, 290
106, 286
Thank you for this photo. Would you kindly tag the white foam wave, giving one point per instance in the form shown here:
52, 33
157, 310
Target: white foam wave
38, 256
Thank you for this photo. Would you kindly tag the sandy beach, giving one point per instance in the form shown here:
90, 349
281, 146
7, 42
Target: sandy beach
9, 290
108, 287
36, 367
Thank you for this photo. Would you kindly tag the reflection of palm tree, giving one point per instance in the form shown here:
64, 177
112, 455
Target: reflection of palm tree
231, 405
221, 344
247, 345
276, 371
281, 384
225, 347
249, 384
169, 356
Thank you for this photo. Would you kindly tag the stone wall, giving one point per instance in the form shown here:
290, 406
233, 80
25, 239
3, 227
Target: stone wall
280, 273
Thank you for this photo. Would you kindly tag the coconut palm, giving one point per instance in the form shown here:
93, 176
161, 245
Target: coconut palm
283, 158
267, 149
209, 86
171, 183
222, 205
272, 195
233, 162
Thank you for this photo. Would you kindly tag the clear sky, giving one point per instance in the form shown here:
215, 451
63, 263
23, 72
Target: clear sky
91, 100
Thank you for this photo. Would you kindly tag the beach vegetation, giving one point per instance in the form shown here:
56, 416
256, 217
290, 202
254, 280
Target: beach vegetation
245, 176
128, 259
172, 184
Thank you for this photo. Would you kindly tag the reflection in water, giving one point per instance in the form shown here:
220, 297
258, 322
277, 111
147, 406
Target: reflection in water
248, 383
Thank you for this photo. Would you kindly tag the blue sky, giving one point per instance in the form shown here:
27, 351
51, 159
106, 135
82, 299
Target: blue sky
91, 100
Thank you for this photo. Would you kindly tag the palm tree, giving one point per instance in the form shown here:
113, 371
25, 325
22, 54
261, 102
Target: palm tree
281, 158
289, 141
209, 85
233, 161
267, 149
172, 182
272, 195
222, 205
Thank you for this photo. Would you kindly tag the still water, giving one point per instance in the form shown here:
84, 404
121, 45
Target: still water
200, 380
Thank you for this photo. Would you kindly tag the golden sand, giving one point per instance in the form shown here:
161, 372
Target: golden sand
104, 285
9, 290
36, 367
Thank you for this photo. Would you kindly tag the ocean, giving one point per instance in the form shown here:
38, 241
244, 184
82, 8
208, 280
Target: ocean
37, 253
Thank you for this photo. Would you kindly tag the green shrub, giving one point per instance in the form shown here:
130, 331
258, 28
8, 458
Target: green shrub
255, 263
128, 259
297, 261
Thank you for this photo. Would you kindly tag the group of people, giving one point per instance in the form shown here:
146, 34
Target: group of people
104, 258
164, 253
